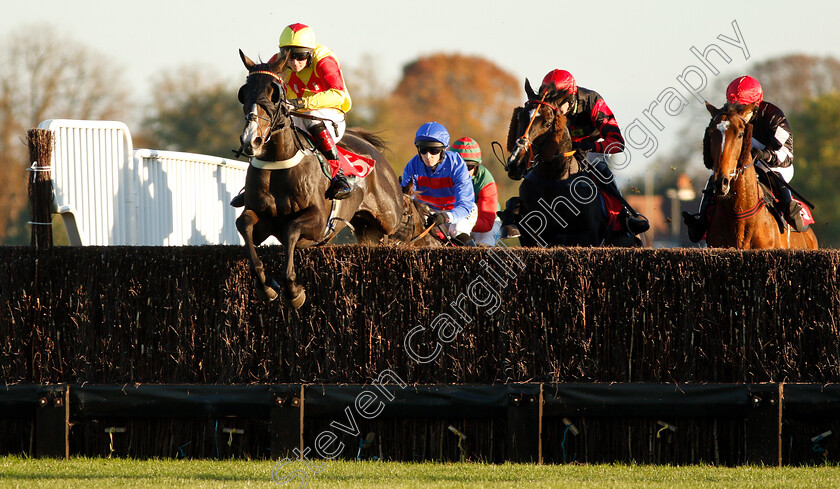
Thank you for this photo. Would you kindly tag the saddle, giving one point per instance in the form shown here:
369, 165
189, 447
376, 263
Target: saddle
770, 202
776, 211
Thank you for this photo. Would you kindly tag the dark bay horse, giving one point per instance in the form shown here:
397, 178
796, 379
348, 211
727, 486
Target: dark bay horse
741, 218
560, 203
284, 185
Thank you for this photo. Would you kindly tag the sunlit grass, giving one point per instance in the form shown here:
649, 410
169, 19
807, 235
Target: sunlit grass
104, 473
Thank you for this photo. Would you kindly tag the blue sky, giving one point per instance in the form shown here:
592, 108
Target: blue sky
630, 52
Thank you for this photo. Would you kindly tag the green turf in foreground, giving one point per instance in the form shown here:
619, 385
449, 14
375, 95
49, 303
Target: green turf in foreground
104, 473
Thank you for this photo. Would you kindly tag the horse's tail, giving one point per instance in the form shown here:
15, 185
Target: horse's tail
371, 137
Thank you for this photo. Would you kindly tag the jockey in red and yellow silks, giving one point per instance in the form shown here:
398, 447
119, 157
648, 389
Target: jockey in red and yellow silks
315, 87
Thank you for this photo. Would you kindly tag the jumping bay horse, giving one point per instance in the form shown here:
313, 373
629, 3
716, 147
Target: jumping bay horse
285, 185
557, 196
741, 218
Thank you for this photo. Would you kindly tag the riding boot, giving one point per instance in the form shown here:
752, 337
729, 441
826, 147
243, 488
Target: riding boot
510, 218
464, 239
340, 187
698, 224
791, 209
634, 222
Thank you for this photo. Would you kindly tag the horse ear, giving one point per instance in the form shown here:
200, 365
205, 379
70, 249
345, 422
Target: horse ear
278, 64
529, 91
712, 110
246, 60
514, 126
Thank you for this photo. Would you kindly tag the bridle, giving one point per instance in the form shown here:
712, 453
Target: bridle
275, 110
738, 171
722, 126
524, 142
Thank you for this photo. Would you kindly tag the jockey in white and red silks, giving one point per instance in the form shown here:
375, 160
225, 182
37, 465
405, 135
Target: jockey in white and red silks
772, 150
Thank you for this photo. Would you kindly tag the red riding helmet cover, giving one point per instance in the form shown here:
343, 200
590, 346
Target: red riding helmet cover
744, 90
560, 80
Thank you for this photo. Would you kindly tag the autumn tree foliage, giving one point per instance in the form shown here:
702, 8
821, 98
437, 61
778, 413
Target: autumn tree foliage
790, 81
193, 111
46, 76
469, 95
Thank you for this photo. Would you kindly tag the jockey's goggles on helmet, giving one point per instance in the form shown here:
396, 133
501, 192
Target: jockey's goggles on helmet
433, 150
297, 53
300, 56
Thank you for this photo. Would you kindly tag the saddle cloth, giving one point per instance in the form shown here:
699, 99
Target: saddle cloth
352, 164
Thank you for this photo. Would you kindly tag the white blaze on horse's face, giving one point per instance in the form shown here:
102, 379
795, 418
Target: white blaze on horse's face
531, 115
722, 127
252, 130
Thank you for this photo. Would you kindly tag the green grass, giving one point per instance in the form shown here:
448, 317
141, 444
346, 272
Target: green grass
103, 473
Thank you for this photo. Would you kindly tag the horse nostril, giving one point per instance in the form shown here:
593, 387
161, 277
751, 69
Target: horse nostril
257, 142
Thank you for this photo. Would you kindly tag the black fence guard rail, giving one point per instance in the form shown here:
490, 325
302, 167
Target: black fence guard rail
293, 410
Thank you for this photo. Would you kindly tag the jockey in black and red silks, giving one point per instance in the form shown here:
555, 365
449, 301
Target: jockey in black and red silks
772, 149
595, 134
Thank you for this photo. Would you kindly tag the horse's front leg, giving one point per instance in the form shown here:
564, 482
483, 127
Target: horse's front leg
310, 218
245, 224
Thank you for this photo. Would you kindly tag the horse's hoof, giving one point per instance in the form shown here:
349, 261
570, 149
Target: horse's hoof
297, 301
265, 293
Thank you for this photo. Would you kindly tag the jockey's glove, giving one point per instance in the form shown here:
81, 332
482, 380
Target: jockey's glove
436, 219
761, 154
297, 103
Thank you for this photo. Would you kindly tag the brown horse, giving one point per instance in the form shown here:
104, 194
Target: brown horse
559, 202
285, 185
414, 231
741, 218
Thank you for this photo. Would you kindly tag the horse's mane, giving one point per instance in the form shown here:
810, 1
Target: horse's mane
374, 139
553, 146
707, 151
745, 156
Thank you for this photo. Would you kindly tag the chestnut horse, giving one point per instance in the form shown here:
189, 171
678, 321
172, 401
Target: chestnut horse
285, 185
741, 219
560, 203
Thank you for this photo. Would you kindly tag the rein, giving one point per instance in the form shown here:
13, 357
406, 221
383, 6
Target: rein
524, 141
421, 235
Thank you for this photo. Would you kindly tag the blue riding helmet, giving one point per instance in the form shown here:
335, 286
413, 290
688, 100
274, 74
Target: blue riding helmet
432, 132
